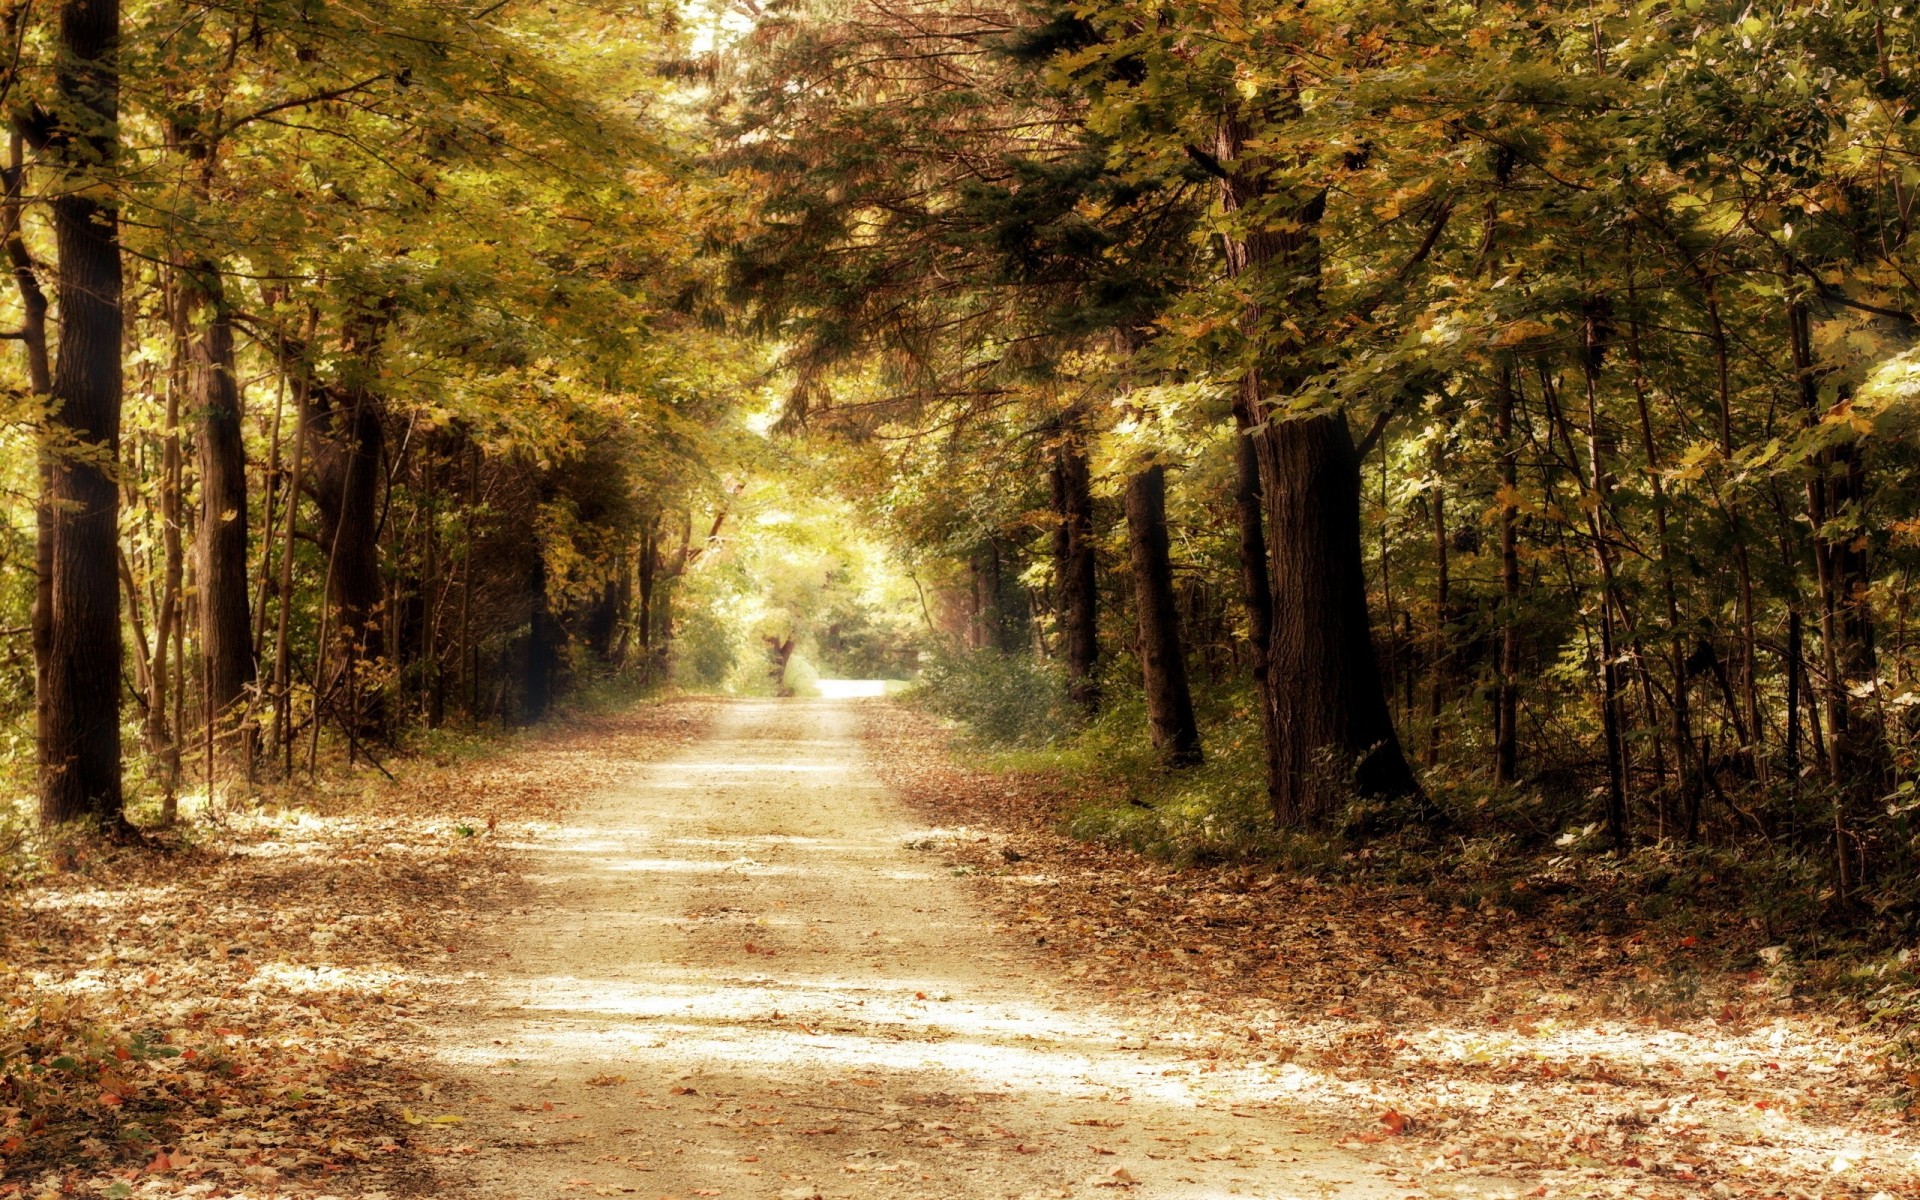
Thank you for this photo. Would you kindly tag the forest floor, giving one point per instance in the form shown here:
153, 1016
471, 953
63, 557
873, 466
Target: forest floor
787, 949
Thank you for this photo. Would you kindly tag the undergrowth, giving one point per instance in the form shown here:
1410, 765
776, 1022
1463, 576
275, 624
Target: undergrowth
1741, 904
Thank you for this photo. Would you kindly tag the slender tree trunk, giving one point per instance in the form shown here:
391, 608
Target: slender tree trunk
33, 337
1334, 731
1598, 504
80, 764
649, 568
1854, 747
283, 585
432, 592
1747, 718
1690, 782
540, 643
469, 654
1075, 572
163, 733
1163, 657
1796, 637
1506, 741
1440, 665
1256, 581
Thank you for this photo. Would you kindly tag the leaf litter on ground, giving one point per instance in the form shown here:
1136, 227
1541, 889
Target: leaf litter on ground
230, 1016
1430, 1037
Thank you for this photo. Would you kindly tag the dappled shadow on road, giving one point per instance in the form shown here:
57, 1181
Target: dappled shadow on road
768, 989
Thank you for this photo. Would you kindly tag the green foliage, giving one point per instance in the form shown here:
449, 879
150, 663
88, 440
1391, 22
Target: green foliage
1004, 701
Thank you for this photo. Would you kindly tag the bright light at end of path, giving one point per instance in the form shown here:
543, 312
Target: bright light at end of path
851, 689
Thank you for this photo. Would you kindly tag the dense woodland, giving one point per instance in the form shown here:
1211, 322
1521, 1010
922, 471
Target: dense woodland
1408, 417
1497, 415
358, 383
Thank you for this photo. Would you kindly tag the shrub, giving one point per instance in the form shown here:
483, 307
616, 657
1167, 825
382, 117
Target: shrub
1005, 701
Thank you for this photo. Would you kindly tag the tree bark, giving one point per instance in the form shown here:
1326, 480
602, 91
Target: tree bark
1163, 656
541, 653
226, 620
1333, 733
1599, 489
1075, 573
33, 337
1441, 664
1506, 741
80, 763
1256, 582
347, 444
648, 570
283, 584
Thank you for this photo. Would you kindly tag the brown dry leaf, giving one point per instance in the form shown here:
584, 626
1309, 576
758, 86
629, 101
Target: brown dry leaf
240, 996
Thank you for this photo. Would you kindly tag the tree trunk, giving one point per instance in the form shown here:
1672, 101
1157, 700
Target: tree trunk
347, 446
1163, 657
1506, 741
540, 643
1854, 747
80, 764
1075, 573
33, 337
1333, 730
1689, 779
779, 654
1599, 510
1747, 719
643, 620
1437, 669
1256, 582
283, 586
226, 621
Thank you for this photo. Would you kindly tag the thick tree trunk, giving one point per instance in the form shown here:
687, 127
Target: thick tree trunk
1075, 574
1163, 656
226, 621
779, 654
80, 764
1335, 732
1332, 732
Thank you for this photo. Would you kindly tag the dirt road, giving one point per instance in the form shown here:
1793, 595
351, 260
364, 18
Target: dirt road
735, 976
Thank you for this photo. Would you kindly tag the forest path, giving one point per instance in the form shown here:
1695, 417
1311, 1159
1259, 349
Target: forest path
735, 977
